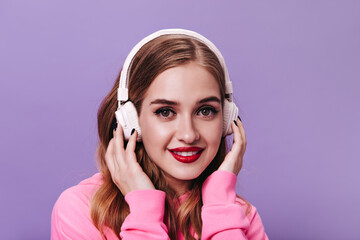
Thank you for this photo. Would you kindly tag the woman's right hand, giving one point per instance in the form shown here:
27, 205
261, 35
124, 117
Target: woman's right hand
126, 172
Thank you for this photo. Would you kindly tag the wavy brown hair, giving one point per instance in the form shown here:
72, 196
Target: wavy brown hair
108, 206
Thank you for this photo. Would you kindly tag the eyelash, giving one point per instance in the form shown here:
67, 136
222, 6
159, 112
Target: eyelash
160, 112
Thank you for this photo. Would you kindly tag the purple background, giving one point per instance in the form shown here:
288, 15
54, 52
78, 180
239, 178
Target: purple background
296, 70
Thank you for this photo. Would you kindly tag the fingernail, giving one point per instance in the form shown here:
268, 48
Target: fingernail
235, 122
239, 118
132, 131
114, 125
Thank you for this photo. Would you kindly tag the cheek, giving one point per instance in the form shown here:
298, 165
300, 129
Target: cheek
213, 136
153, 133
212, 130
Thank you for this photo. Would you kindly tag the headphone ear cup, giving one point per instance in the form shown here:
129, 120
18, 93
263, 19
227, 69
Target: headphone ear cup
230, 112
127, 116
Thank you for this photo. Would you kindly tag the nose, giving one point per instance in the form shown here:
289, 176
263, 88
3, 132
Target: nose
186, 130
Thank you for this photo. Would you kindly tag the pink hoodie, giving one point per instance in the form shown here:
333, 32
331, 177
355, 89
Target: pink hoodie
223, 214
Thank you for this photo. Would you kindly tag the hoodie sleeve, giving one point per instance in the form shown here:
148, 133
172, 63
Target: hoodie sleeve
222, 215
71, 218
146, 217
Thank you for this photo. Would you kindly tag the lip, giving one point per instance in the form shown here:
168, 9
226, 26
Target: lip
186, 159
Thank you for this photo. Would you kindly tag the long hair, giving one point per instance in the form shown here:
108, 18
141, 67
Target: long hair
108, 206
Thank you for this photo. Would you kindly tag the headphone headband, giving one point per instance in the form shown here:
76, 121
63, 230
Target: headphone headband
124, 76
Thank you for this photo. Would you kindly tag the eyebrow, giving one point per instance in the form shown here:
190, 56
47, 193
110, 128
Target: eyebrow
169, 102
210, 99
164, 101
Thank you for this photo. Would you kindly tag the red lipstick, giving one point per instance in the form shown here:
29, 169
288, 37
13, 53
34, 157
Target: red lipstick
186, 154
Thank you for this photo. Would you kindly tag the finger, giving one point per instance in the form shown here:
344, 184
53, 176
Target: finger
236, 136
119, 131
241, 127
119, 139
243, 136
117, 149
130, 148
109, 159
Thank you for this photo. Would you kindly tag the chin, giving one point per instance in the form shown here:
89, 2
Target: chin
186, 176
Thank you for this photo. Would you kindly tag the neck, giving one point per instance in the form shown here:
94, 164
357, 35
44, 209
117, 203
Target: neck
180, 187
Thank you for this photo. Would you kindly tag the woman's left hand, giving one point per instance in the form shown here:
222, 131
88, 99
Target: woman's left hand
234, 158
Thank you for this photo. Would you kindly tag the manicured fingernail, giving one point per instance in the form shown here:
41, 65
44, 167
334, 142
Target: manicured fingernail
239, 118
132, 131
114, 125
235, 122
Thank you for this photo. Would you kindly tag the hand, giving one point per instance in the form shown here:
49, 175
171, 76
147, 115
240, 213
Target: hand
234, 158
126, 172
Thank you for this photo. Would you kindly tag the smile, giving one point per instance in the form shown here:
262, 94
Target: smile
186, 154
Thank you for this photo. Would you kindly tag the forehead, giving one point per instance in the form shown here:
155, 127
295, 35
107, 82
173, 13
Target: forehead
185, 82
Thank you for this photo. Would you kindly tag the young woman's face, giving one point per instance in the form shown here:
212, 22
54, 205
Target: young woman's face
181, 122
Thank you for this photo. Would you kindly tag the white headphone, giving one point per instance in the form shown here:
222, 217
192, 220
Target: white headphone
126, 113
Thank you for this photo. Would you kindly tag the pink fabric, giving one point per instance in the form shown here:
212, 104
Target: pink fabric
223, 214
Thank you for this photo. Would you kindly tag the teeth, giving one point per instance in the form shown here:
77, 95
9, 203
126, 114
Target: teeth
185, 154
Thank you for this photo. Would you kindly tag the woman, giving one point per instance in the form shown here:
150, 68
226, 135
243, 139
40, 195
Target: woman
164, 170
